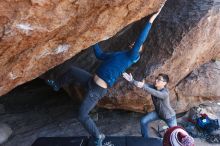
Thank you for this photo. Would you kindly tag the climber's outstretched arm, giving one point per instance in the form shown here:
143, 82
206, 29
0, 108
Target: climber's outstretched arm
144, 33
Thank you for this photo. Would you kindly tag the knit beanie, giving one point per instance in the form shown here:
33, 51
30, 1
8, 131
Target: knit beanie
177, 136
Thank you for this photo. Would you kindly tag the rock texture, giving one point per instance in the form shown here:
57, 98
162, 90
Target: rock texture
201, 85
185, 35
36, 35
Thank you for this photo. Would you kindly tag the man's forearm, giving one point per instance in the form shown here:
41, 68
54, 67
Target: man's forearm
134, 82
154, 92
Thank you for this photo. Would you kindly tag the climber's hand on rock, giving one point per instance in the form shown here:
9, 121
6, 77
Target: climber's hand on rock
152, 18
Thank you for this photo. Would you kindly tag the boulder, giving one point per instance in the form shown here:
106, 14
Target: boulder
184, 36
37, 35
201, 85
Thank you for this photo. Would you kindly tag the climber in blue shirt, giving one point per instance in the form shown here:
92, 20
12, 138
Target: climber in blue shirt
113, 65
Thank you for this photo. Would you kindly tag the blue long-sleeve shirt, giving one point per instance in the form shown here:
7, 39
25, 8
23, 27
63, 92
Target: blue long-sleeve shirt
114, 64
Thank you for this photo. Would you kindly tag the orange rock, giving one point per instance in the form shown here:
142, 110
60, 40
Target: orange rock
185, 35
37, 35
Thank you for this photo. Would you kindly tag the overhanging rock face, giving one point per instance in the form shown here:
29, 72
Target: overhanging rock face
185, 35
38, 35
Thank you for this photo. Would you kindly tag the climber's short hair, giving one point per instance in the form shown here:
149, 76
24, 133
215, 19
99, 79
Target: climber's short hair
165, 77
